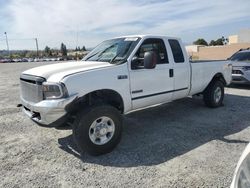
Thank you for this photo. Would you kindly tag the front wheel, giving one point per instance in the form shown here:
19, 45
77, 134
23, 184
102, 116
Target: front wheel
214, 94
97, 130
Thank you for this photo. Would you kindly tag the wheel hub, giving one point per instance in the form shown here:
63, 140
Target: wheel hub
217, 94
101, 130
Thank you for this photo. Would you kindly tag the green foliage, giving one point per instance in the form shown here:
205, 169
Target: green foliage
80, 49
212, 43
47, 51
63, 49
200, 41
30, 54
219, 41
224, 40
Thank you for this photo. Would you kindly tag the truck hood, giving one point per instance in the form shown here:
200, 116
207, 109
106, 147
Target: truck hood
56, 72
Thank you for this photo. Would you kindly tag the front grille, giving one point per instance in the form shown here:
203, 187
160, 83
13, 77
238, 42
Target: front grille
237, 79
31, 88
237, 72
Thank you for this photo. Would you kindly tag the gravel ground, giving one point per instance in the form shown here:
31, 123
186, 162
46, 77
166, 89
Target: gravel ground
180, 144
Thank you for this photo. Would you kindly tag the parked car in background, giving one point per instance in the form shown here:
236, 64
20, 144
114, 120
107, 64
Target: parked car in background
241, 66
24, 60
4, 60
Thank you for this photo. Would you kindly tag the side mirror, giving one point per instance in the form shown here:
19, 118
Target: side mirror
150, 59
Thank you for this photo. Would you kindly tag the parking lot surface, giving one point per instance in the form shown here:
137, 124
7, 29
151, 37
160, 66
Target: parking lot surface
180, 144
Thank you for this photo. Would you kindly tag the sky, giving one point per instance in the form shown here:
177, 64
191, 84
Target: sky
82, 22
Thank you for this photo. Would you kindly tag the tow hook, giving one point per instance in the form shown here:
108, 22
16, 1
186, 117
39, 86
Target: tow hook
35, 115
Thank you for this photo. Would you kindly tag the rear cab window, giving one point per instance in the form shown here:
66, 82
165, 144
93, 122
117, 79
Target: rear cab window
176, 50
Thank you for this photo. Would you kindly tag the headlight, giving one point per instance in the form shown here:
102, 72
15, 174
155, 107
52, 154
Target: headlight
54, 90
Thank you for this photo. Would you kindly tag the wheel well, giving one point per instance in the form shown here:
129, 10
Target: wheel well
107, 96
220, 77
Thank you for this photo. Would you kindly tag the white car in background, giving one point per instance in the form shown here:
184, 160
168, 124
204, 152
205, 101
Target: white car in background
241, 66
241, 178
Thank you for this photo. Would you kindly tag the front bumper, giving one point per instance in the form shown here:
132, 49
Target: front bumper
48, 112
240, 79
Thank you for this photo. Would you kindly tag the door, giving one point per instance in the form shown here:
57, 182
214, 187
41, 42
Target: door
151, 86
181, 68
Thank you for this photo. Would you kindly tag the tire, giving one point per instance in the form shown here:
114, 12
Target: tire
214, 94
91, 129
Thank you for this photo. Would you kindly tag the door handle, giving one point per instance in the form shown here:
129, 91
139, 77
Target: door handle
171, 73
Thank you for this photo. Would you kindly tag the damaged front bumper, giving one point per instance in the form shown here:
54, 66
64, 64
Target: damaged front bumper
49, 113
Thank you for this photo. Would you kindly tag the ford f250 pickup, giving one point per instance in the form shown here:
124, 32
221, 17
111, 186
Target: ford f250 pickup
120, 75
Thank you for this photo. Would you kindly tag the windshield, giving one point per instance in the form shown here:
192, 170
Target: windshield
113, 51
241, 56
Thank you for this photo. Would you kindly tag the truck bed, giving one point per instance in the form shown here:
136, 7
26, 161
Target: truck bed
203, 72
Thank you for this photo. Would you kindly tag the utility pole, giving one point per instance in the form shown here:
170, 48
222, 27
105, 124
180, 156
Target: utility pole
77, 44
36, 47
7, 43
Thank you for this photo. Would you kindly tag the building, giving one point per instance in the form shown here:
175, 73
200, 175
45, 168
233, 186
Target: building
235, 43
242, 37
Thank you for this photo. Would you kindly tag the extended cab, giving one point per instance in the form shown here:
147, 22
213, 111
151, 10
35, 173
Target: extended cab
118, 76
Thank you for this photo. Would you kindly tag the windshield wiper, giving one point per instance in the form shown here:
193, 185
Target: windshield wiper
111, 61
100, 55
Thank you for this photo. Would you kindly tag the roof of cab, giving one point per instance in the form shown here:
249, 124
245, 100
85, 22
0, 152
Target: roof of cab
148, 36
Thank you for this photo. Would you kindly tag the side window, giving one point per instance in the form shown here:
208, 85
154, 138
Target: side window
176, 50
156, 45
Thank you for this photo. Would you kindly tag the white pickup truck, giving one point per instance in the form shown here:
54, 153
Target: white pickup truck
120, 75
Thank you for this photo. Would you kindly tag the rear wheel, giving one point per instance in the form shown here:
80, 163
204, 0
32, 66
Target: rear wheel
97, 130
214, 94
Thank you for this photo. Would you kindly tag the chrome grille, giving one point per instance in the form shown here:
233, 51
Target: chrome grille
31, 88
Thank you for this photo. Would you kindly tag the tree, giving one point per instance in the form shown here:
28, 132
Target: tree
83, 48
224, 40
47, 51
200, 41
219, 41
63, 49
24, 53
212, 43
78, 49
